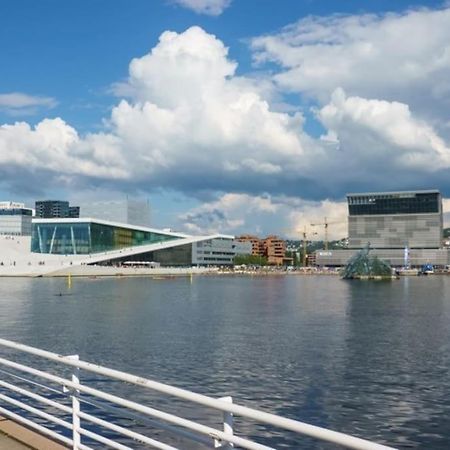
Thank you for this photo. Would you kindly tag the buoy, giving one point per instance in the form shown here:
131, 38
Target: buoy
69, 281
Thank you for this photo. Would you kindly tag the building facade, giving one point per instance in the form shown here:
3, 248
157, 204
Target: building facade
391, 222
217, 252
87, 236
254, 241
395, 219
272, 247
15, 219
111, 243
55, 209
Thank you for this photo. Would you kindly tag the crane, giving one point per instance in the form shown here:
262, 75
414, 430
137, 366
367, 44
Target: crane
325, 224
304, 241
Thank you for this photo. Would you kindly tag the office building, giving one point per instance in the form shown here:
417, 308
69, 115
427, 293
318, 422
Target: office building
390, 222
55, 209
15, 219
129, 211
395, 219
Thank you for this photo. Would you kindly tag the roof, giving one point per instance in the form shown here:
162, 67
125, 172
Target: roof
127, 225
108, 223
365, 194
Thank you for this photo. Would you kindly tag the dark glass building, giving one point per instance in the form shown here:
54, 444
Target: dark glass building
15, 220
389, 220
55, 209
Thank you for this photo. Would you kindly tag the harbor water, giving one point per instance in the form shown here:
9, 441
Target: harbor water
367, 358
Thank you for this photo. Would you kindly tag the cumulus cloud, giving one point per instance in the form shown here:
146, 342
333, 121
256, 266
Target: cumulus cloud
208, 7
189, 123
55, 148
385, 131
228, 213
18, 103
403, 57
239, 213
189, 110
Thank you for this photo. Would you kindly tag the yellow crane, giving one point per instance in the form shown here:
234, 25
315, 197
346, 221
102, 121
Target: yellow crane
305, 244
325, 224
304, 240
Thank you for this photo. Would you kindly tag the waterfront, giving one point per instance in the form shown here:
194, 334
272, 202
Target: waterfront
366, 358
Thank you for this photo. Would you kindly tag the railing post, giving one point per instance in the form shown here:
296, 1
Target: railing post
75, 406
227, 425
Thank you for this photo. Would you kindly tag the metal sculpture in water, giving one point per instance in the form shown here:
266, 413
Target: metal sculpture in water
363, 265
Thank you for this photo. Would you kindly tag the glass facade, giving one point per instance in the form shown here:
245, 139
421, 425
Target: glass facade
88, 237
394, 203
56, 209
15, 212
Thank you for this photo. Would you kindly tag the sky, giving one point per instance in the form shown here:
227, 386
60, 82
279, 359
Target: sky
231, 116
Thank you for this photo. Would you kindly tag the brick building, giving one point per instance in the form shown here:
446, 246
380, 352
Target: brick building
272, 247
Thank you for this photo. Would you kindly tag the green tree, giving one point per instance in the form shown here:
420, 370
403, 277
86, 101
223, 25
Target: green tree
250, 260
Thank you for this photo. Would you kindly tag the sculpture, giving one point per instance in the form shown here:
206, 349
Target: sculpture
362, 265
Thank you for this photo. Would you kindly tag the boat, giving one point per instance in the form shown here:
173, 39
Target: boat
427, 269
407, 272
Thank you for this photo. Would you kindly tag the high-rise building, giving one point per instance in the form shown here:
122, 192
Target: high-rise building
55, 209
74, 211
390, 222
395, 219
15, 219
130, 211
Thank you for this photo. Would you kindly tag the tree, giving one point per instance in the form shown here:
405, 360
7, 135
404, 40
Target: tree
250, 260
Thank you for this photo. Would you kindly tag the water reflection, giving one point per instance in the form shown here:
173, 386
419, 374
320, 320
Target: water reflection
368, 358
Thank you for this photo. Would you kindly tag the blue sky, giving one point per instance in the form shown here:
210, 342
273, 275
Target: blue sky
251, 116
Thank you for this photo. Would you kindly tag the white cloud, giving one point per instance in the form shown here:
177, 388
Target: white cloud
378, 130
404, 57
208, 7
333, 213
189, 110
228, 213
189, 123
263, 215
55, 147
18, 103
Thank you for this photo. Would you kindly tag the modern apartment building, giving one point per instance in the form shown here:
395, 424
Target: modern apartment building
56, 209
274, 250
256, 244
272, 247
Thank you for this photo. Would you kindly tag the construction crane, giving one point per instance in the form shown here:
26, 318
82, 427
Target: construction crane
325, 224
305, 244
304, 241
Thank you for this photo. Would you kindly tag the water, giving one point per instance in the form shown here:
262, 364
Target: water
367, 358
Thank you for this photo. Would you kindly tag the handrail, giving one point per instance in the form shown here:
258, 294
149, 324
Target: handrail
217, 438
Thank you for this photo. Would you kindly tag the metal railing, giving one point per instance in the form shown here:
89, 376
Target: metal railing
83, 429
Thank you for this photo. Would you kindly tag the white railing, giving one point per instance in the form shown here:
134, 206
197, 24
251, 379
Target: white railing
77, 393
